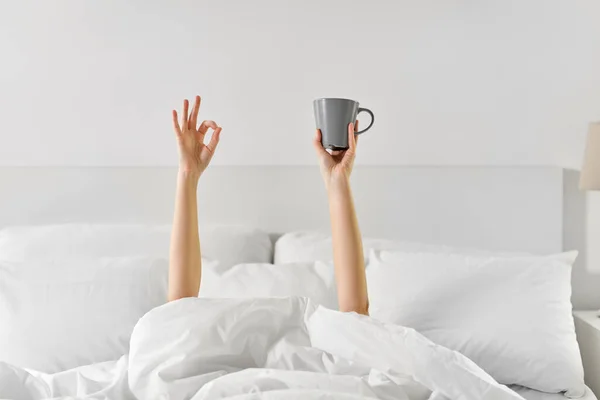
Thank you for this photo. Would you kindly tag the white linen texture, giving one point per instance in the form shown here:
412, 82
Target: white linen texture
510, 315
286, 348
70, 296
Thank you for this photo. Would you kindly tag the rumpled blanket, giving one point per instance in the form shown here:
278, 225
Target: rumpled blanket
277, 348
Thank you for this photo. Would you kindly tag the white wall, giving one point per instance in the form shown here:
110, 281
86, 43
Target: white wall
458, 82
451, 82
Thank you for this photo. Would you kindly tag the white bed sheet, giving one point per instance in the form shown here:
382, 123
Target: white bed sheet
110, 377
529, 394
280, 348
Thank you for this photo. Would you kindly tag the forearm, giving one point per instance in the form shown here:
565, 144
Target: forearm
347, 250
185, 258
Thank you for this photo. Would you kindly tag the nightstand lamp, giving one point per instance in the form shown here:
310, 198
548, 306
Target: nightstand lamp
590, 171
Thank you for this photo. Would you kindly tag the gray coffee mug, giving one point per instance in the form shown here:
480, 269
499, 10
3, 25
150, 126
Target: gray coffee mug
333, 116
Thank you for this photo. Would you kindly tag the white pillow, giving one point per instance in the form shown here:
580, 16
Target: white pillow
313, 280
307, 246
59, 315
229, 245
512, 316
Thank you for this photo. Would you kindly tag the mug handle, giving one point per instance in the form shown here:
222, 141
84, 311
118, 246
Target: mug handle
372, 119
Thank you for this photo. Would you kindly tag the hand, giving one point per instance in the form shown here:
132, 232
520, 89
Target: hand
337, 166
194, 155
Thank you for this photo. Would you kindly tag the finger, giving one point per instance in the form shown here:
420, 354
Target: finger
184, 116
176, 126
317, 143
194, 115
205, 125
356, 135
214, 140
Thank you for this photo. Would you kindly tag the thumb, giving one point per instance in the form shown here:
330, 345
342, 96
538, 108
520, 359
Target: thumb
318, 145
351, 139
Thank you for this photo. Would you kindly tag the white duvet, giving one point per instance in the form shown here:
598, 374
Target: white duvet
284, 348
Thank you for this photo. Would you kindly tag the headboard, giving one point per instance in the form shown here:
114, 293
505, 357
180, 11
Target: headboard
499, 208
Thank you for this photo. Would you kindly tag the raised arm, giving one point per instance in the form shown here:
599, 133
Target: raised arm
185, 263
348, 256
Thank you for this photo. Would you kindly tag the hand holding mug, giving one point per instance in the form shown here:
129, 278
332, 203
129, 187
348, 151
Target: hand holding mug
336, 165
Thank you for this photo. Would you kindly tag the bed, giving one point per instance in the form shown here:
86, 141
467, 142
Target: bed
508, 211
